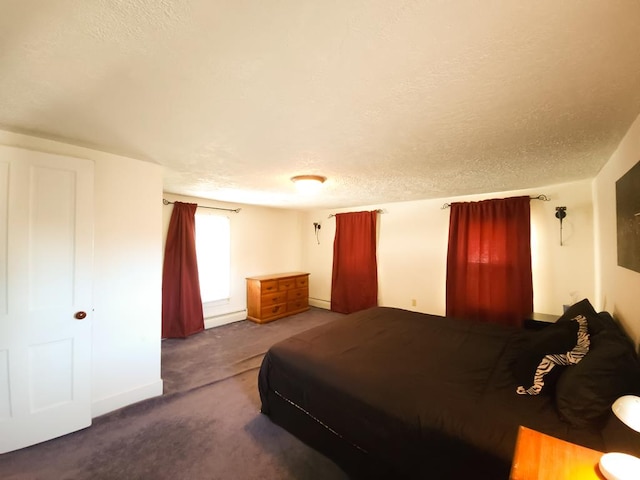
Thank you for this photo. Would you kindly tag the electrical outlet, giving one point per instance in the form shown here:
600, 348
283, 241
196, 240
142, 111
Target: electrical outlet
413, 302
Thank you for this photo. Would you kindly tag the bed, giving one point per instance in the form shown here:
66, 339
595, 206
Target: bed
390, 393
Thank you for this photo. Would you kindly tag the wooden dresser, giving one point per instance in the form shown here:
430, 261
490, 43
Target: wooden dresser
270, 297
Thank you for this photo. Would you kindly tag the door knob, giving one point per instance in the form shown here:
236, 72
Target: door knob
80, 315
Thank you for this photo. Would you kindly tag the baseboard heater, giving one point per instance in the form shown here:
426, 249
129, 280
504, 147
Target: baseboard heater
223, 319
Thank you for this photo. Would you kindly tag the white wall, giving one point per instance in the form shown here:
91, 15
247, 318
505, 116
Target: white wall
127, 273
127, 283
618, 288
412, 250
263, 241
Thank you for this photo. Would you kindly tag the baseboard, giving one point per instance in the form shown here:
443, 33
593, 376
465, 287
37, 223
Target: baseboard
224, 319
106, 405
316, 302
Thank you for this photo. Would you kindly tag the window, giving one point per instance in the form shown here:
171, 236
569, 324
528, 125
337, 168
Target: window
213, 248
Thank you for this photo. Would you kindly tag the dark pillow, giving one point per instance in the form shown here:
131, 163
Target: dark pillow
557, 338
605, 321
619, 437
585, 392
597, 322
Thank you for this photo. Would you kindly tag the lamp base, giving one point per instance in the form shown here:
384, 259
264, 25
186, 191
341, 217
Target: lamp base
619, 466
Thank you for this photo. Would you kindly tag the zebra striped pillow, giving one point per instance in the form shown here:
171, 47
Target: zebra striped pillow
558, 345
584, 393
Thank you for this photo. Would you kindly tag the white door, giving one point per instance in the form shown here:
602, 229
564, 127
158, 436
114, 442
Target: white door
46, 251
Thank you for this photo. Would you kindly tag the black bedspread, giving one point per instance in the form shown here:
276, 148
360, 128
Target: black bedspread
391, 393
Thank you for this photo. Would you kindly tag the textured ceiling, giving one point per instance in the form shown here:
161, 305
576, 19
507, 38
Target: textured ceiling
391, 100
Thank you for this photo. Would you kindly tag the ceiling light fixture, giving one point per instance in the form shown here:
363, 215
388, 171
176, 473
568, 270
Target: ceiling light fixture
308, 183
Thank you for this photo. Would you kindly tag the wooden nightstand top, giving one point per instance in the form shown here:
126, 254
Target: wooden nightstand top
542, 457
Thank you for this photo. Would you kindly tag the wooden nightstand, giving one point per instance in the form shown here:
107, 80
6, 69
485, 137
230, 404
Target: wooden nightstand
542, 457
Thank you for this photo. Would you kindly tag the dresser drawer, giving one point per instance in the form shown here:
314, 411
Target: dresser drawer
273, 311
297, 293
268, 286
302, 281
286, 283
273, 298
296, 305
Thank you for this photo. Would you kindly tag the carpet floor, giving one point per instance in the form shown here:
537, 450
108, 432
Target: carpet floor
207, 424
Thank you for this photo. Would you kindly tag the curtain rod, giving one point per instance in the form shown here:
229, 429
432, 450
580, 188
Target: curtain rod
378, 210
236, 210
542, 197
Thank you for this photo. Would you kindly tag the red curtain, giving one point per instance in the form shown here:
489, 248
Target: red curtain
354, 282
181, 303
489, 261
